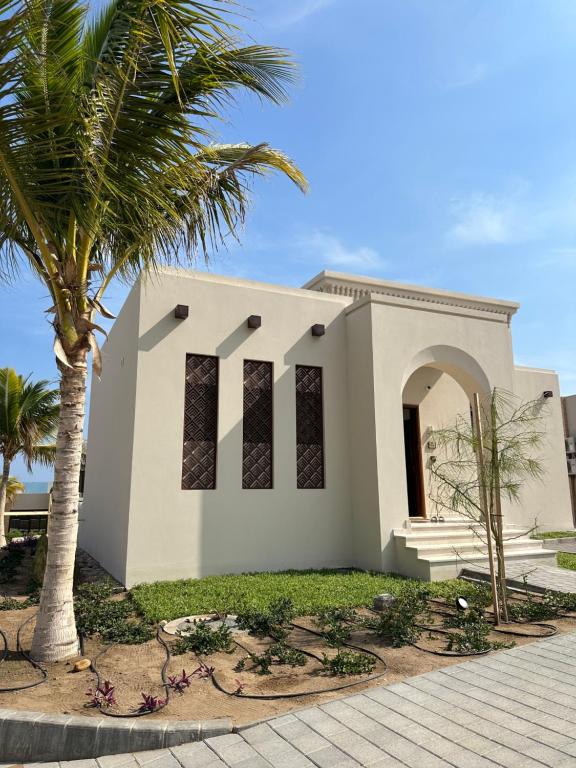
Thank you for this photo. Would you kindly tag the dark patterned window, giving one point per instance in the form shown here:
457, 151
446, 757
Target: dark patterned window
200, 423
257, 425
309, 427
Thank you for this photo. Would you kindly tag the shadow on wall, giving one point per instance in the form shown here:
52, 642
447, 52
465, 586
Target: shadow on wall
158, 332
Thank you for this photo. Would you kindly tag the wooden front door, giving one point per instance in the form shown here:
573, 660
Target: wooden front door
413, 455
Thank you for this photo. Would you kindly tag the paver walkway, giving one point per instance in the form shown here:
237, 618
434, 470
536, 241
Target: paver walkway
514, 708
539, 577
560, 545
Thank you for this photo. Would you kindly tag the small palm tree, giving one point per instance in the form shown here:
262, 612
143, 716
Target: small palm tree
28, 418
109, 166
13, 488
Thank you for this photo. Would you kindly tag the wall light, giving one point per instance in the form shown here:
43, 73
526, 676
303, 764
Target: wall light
318, 329
254, 321
181, 311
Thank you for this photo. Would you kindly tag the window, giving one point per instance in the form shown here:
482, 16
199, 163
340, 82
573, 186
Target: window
257, 425
200, 423
309, 427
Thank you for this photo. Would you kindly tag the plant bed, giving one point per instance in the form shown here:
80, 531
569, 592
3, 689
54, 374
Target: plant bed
303, 659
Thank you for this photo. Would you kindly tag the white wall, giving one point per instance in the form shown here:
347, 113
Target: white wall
547, 501
103, 526
180, 533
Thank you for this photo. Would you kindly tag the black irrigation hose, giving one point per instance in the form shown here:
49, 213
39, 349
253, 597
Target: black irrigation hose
25, 656
296, 695
163, 671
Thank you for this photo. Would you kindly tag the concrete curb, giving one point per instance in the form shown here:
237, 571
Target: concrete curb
38, 736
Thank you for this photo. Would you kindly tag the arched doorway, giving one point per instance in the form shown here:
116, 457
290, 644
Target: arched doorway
437, 388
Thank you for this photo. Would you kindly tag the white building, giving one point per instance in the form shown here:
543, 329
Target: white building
270, 427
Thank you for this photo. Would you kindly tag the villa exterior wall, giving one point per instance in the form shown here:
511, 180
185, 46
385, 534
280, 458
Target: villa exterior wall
103, 517
544, 502
230, 529
381, 349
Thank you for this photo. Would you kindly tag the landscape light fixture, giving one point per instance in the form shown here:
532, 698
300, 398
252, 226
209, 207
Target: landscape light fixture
254, 321
181, 311
547, 394
461, 603
318, 329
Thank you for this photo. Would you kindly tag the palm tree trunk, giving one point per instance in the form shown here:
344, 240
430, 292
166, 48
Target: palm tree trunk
55, 636
3, 489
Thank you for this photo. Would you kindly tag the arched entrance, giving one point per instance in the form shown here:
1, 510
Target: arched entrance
438, 386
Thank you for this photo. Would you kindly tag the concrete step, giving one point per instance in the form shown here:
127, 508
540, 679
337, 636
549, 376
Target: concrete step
426, 549
439, 550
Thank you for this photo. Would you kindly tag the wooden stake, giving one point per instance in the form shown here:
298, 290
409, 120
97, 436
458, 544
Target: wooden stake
484, 502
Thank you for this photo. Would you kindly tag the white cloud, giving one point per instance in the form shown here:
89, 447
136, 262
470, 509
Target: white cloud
333, 253
482, 219
299, 12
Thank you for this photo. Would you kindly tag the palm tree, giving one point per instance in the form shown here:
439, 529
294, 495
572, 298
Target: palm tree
13, 488
108, 167
28, 418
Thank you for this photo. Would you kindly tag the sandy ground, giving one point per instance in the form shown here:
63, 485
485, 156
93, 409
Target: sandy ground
136, 669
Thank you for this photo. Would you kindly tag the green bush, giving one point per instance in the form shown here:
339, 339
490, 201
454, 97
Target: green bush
398, 623
349, 663
273, 622
96, 613
473, 634
204, 640
39, 561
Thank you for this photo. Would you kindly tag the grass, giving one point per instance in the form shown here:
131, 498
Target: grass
310, 591
566, 560
553, 534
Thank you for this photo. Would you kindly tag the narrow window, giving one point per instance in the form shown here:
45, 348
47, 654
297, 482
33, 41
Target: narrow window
309, 427
257, 425
200, 423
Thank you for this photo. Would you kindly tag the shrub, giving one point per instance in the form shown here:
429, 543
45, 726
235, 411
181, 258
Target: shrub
39, 561
349, 663
278, 653
270, 623
96, 613
204, 640
473, 634
399, 622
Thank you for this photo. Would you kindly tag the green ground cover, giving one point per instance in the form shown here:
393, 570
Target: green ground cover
310, 591
566, 560
553, 534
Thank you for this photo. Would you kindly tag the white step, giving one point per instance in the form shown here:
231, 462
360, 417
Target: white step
439, 550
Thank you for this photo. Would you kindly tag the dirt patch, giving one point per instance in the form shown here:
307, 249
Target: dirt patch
136, 669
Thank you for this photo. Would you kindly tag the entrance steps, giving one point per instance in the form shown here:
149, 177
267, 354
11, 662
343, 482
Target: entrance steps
440, 550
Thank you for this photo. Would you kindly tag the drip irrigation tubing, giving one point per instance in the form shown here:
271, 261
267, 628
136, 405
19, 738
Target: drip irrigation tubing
298, 694
25, 656
165, 683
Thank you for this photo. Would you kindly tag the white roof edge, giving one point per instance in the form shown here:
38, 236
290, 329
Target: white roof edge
536, 370
392, 288
211, 277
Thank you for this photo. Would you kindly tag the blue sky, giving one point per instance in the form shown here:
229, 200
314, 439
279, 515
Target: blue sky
439, 139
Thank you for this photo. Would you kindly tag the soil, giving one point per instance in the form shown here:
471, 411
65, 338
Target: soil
136, 669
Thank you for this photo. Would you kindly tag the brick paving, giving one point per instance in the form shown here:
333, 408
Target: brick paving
561, 545
538, 577
514, 708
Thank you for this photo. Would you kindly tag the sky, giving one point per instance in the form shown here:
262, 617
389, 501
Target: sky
439, 140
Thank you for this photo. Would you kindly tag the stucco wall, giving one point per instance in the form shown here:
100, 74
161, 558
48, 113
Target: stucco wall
547, 501
103, 528
475, 350
178, 533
